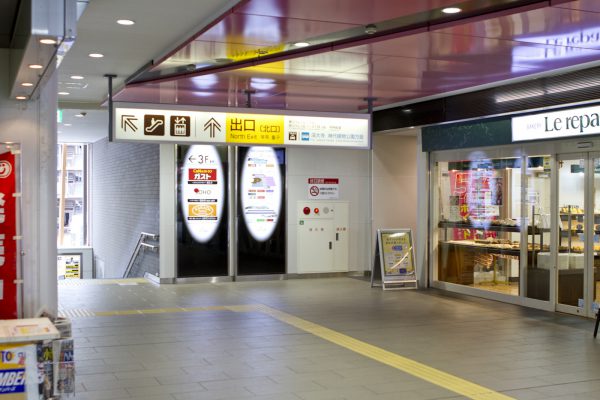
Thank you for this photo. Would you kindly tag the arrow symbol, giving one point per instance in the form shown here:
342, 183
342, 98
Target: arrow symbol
211, 125
128, 121
192, 159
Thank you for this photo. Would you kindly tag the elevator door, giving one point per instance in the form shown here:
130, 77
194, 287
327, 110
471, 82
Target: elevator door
577, 261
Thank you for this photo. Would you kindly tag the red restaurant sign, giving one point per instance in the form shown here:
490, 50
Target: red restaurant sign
8, 231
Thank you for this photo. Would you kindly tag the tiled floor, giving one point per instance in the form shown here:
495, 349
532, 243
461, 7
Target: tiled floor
191, 342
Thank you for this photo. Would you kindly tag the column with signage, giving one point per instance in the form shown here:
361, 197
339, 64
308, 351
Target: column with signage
202, 233
9, 293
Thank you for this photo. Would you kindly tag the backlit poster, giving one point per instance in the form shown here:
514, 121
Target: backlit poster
202, 191
261, 233
261, 191
202, 231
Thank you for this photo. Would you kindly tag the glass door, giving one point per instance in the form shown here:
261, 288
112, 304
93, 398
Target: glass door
575, 259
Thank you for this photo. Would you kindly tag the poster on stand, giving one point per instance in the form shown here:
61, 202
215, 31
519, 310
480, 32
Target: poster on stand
394, 263
8, 232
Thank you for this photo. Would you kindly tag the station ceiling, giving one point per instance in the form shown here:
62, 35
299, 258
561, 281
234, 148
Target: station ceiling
330, 55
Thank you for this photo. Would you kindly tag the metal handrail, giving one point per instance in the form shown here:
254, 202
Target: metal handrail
140, 244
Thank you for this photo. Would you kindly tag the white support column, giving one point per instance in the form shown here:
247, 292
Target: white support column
423, 199
168, 213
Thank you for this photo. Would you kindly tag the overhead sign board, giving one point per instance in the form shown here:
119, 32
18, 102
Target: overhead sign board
557, 124
138, 122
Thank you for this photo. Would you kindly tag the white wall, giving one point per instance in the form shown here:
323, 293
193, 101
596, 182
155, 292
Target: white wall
352, 169
396, 163
33, 125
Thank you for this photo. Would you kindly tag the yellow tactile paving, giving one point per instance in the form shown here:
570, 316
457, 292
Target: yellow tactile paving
414, 368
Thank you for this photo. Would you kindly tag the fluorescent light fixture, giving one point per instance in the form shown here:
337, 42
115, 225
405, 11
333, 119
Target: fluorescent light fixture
301, 44
503, 98
451, 10
125, 22
96, 55
76, 77
48, 41
27, 84
64, 93
36, 66
21, 97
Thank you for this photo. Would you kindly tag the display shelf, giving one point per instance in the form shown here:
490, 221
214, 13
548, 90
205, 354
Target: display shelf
494, 228
487, 249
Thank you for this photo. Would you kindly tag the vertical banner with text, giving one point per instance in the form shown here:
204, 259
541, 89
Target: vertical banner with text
8, 231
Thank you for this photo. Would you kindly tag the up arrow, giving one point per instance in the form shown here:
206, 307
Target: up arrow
127, 121
211, 125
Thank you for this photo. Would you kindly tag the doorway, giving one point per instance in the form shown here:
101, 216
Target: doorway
578, 261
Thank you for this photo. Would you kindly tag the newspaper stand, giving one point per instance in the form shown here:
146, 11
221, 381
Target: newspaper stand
35, 363
394, 263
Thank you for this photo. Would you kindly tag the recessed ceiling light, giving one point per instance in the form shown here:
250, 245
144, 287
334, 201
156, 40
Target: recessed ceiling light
76, 77
80, 115
64, 93
301, 44
48, 41
451, 10
126, 22
21, 97
96, 55
36, 66
67, 124
27, 84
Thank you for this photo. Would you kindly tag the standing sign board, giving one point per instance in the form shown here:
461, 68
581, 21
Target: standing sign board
394, 263
8, 232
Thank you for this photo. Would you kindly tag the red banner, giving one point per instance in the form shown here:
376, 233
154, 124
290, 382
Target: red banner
8, 230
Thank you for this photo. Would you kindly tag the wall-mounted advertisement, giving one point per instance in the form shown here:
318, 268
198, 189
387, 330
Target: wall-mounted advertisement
262, 192
68, 266
177, 124
261, 235
202, 231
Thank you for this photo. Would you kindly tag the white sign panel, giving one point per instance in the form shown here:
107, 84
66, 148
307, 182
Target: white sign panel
558, 124
323, 188
239, 126
202, 191
262, 192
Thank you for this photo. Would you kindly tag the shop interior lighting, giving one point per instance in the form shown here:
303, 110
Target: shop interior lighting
27, 84
451, 10
96, 55
76, 77
36, 66
48, 41
125, 22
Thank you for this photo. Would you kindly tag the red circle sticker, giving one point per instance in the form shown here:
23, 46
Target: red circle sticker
314, 191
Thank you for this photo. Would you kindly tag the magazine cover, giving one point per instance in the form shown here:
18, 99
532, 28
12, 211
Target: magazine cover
45, 370
64, 367
18, 375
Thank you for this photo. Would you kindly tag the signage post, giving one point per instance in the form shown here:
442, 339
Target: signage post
394, 262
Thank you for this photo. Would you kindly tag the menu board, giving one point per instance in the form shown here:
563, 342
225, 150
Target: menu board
261, 191
202, 190
394, 263
68, 266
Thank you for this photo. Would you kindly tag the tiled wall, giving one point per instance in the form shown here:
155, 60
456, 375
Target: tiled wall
125, 201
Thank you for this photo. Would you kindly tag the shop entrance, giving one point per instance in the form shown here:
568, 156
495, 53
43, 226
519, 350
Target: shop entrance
578, 258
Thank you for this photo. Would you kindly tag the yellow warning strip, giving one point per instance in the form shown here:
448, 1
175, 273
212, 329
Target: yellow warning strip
414, 368
84, 282
417, 369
